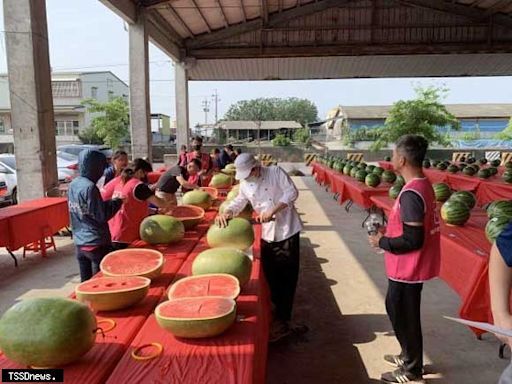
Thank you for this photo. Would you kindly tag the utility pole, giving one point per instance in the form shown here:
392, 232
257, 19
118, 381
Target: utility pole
216, 100
206, 109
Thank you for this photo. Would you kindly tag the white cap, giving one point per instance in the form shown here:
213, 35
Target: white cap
244, 163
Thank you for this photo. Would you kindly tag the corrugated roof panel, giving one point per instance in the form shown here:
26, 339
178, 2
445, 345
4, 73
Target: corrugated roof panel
232, 10
190, 16
212, 13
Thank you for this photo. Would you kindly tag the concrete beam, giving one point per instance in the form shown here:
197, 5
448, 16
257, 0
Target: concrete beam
30, 89
160, 34
140, 115
182, 123
125, 9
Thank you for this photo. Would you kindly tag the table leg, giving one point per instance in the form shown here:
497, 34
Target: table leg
348, 205
369, 212
501, 352
43, 246
14, 257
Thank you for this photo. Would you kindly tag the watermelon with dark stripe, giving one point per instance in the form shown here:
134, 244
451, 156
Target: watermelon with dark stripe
395, 190
426, 164
496, 163
482, 161
495, 226
387, 158
372, 180
500, 208
453, 168
469, 171
370, 168
508, 165
466, 197
400, 180
455, 212
507, 177
442, 166
378, 171
493, 170
361, 175
347, 169
388, 177
484, 174
442, 191
354, 171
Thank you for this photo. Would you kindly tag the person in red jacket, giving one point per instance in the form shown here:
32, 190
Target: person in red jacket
204, 175
412, 257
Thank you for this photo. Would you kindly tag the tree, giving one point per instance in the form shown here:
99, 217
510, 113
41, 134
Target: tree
423, 116
280, 140
111, 122
301, 135
506, 134
273, 109
89, 135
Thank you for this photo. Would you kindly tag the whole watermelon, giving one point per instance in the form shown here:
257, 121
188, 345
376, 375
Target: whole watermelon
500, 208
362, 166
507, 177
223, 260
493, 170
435, 163
238, 234
47, 332
476, 167
442, 191
455, 212
495, 226
378, 171
426, 164
388, 177
347, 169
370, 168
442, 166
372, 180
466, 197
387, 158
161, 229
221, 180
496, 163
353, 172
471, 160
453, 168
400, 180
469, 171
395, 190
508, 165
482, 161
361, 175
198, 198
484, 174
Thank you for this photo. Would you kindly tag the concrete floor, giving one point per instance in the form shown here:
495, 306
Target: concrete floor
340, 297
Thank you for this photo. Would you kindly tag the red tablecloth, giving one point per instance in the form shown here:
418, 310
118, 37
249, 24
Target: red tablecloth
490, 190
436, 176
461, 182
32, 220
237, 356
153, 177
321, 173
383, 202
387, 165
351, 189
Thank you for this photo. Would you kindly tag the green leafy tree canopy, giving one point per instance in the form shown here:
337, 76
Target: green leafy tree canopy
273, 109
421, 116
111, 122
506, 134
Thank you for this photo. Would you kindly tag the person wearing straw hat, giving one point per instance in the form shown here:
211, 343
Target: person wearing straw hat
272, 195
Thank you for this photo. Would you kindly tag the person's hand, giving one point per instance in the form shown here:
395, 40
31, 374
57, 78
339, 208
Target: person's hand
374, 239
265, 217
123, 199
222, 220
504, 321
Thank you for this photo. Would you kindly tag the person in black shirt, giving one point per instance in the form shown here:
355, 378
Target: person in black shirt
177, 177
226, 156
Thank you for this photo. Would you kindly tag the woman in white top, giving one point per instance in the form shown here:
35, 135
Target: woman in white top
272, 194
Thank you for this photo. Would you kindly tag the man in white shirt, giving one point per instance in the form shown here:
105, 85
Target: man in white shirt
272, 194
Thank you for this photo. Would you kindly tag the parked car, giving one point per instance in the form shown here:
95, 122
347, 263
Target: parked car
75, 149
67, 169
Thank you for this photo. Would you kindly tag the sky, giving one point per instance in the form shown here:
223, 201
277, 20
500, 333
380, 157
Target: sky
84, 35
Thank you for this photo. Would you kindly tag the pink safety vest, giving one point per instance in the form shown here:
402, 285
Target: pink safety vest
205, 159
124, 226
422, 264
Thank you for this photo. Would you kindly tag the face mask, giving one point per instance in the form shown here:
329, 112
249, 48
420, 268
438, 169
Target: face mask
197, 147
251, 179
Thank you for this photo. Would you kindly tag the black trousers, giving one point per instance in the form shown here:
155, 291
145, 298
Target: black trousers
403, 302
280, 261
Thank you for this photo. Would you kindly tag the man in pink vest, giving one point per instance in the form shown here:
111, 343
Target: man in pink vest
412, 256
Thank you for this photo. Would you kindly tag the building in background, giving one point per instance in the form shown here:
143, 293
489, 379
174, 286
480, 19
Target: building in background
249, 130
484, 120
69, 90
161, 128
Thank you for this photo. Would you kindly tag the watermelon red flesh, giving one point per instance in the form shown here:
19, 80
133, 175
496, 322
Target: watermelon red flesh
189, 215
223, 285
112, 293
196, 308
213, 192
133, 262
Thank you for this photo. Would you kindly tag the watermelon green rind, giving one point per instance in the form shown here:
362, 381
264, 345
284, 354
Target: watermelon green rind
161, 229
47, 332
109, 293
395, 190
189, 215
211, 284
500, 208
195, 328
495, 226
372, 180
213, 192
198, 198
388, 176
130, 262
442, 191
361, 175
237, 234
466, 197
223, 260
245, 214
221, 180
455, 212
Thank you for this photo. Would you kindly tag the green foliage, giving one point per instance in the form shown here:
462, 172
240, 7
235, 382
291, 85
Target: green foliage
470, 136
301, 135
111, 122
89, 135
273, 109
506, 134
280, 141
422, 116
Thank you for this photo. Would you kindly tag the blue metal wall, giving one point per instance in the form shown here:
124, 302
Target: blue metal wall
484, 125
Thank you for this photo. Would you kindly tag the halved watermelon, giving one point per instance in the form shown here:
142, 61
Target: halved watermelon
133, 262
196, 317
112, 293
189, 215
213, 192
214, 284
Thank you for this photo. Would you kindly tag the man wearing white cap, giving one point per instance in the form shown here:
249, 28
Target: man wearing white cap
272, 194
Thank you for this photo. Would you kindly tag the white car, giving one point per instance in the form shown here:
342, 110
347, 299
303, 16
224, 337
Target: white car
67, 168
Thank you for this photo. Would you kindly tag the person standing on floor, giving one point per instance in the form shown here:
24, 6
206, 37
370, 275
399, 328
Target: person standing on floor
412, 257
89, 214
272, 194
500, 282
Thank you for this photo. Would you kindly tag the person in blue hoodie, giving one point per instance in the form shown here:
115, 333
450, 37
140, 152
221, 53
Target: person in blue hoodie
90, 214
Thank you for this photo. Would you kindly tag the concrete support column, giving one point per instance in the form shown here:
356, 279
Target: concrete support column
140, 113
30, 91
181, 90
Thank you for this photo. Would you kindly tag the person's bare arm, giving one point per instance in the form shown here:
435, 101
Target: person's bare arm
185, 184
500, 282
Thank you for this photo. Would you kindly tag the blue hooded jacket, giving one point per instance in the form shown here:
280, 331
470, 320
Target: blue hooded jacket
89, 213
